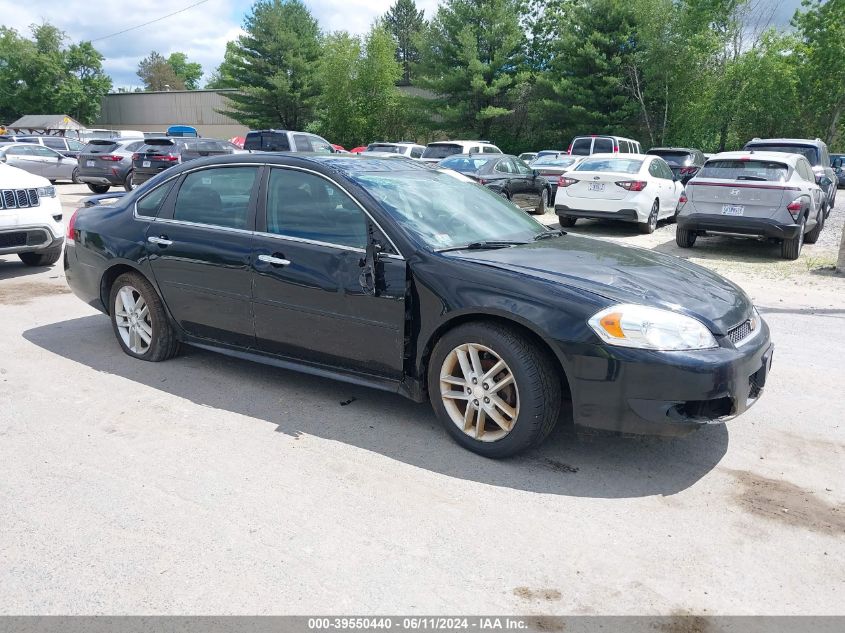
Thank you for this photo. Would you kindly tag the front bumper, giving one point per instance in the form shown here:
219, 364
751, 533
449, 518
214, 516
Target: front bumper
667, 393
28, 239
761, 227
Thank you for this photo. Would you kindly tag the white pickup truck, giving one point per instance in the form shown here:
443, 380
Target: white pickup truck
30, 217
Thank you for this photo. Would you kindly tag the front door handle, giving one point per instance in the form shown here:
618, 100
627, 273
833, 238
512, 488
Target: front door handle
275, 261
160, 241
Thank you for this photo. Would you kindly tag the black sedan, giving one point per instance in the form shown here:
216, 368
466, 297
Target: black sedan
388, 274
506, 175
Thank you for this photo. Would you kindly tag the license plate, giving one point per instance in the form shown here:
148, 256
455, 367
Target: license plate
596, 186
89, 163
146, 163
733, 209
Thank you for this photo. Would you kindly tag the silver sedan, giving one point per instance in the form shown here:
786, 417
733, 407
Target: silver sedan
39, 160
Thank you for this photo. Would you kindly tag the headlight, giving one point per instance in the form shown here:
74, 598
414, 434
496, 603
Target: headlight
630, 325
47, 192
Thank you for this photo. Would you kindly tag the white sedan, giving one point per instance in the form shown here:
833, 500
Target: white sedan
628, 187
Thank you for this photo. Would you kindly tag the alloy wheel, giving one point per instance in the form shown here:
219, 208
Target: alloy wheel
652, 219
132, 316
479, 392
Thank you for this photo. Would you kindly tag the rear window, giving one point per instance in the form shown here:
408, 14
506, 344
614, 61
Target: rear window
466, 165
555, 161
100, 146
581, 146
807, 151
603, 145
674, 158
384, 147
623, 165
203, 145
442, 150
730, 169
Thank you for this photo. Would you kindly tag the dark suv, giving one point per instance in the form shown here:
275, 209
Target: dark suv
157, 154
107, 162
814, 151
683, 161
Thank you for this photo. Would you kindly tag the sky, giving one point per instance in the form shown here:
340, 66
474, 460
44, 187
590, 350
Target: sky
200, 31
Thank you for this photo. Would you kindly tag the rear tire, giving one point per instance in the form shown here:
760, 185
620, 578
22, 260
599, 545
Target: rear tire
534, 393
41, 258
650, 225
684, 238
157, 341
98, 188
813, 236
566, 220
544, 203
791, 249
74, 177
127, 182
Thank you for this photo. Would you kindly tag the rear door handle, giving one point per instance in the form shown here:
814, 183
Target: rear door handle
160, 241
275, 261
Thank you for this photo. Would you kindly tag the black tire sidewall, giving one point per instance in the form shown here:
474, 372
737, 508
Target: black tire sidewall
157, 314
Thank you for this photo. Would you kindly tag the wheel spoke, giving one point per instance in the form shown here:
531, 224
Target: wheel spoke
479, 424
476, 361
504, 406
127, 299
495, 369
469, 416
146, 328
456, 395
499, 419
504, 382
133, 339
453, 380
463, 359
143, 336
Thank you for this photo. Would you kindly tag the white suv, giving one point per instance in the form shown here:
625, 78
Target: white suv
435, 152
30, 217
401, 148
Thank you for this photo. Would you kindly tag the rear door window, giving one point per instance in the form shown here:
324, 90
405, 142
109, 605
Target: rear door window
624, 147
55, 143
416, 152
581, 146
603, 145
218, 196
505, 166
149, 205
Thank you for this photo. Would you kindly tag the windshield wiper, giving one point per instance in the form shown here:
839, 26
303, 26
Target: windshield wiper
547, 234
751, 178
478, 246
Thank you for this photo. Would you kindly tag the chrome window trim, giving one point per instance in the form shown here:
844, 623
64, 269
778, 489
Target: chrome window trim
398, 255
305, 240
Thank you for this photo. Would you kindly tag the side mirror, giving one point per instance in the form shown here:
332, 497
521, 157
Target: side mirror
368, 264
824, 182
535, 172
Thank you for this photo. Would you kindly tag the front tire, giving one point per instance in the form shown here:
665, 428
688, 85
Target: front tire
139, 320
545, 203
791, 249
494, 389
650, 224
98, 188
74, 177
42, 258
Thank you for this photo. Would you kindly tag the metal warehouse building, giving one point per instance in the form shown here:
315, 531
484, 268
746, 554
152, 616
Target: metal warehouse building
156, 111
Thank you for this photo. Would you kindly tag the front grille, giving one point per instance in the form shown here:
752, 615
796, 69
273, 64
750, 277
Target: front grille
740, 332
19, 198
11, 240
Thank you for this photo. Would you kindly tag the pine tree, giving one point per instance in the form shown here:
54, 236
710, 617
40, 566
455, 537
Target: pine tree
405, 23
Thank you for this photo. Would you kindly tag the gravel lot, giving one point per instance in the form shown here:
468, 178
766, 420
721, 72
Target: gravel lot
209, 485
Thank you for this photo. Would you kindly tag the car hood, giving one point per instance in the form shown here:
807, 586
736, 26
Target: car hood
626, 274
14, 178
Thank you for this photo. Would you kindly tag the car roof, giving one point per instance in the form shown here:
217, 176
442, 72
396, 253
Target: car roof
672, 149
777, 157
620, 155
786, 141
458, 142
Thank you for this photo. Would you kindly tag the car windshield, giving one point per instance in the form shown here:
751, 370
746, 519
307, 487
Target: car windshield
554, 161
442, 150
807, 151
619, 165
673, 157
446, 212
731, 169
464, 164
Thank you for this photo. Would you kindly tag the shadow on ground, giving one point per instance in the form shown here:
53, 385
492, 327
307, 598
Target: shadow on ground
566, 464
12, 268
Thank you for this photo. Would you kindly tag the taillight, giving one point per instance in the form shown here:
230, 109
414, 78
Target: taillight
481, 181
794, 208
632, 185
71, 225
111, 157
563, 181
569, 149
682, 201
168, 158
615, 148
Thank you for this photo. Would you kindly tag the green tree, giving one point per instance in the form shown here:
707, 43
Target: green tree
189, 73
471, 53
44, 75
405, 23
224, 74
378, 96
274, 66
157, 74
338, 109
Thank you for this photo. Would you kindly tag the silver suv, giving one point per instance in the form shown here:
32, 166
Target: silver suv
759, 194
814, 151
